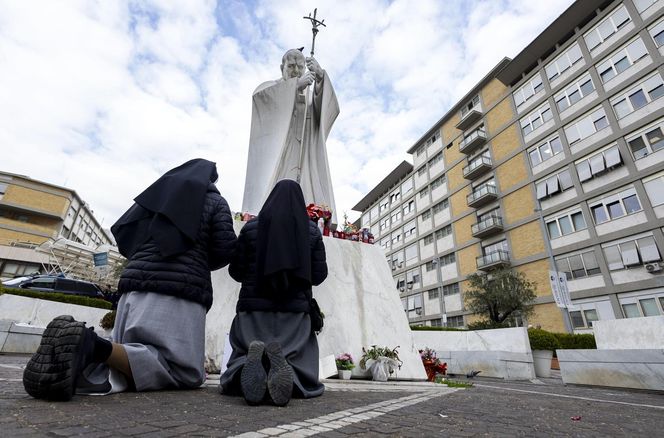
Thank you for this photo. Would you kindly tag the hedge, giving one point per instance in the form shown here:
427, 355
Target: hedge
58, 297
569, 341
439, 329
542, 340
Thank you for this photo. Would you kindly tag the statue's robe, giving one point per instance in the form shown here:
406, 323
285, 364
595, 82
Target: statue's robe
274, 143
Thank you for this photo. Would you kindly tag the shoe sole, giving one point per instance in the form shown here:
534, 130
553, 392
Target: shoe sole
50, 372
280, 377
253, 377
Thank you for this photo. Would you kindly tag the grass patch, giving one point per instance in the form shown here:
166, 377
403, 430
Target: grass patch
453, 383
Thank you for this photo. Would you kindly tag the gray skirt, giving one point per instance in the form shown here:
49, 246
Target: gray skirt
164, 337
298, 343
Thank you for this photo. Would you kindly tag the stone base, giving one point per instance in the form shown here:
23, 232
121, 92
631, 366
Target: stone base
358, 299
500, 364
19, 338
640, 369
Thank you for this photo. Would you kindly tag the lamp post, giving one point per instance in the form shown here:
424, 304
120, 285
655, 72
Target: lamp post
436, 264
552, 262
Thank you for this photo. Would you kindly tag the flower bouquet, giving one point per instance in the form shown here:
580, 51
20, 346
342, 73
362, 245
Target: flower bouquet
381, 361
317, 212
345, 365
432, 365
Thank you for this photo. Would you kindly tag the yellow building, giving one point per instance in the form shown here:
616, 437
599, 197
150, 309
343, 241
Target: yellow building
553, 161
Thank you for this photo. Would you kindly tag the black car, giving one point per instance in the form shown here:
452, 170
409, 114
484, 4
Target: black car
63, 285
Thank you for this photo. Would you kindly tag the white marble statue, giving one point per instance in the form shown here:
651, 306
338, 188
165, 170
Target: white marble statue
277, 149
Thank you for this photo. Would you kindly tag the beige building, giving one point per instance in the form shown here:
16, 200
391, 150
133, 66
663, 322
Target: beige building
553, 161
44, 227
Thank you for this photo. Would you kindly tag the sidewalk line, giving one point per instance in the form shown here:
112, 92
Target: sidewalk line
578, 397
325, 423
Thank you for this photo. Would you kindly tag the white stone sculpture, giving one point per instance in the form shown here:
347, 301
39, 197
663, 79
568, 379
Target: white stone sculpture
280, 144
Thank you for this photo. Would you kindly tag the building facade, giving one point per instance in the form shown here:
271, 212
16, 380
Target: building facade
37, 215
553, 161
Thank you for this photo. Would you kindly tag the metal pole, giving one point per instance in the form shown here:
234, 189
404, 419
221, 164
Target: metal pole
552, 262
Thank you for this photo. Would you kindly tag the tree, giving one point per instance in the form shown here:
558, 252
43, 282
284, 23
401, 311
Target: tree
500, 294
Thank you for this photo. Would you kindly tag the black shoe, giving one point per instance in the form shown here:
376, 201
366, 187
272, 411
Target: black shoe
253, 377
280, 377
65, 350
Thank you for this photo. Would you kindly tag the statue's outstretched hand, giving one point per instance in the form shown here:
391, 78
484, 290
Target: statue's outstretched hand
313, 66
306, 80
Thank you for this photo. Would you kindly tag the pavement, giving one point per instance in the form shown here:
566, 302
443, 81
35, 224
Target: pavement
492, 407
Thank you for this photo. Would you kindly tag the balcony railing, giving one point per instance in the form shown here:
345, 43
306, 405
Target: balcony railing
487, 227
477, 167
469, 118
482, 196
472, 141
496, 259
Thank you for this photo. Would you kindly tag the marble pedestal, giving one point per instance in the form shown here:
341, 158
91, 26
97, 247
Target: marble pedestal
359, 301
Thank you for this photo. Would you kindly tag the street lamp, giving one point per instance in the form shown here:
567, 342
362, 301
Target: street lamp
436, 262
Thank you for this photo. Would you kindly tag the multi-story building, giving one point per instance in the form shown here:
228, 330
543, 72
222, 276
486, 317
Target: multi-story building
35, 215
553, 161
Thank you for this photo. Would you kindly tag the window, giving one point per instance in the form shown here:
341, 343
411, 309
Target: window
649, 307
646, 141
631, 310
3, 189
436, 322
493, 248
455, 321
639, 96
657, 33
442, 205
438, 182
578, 265
431, 140
475, 101
420, 150
436, 158
615, 206
445, 231
554, 184
428, 239
567, 59
411, 252
396, 237
586, 126
412, 278
528, 90
574, 92
385, 243
422, 170
536, 119
426, 215
631, 253
583, 319
545, 151
566, 224
447, 259
430, 266
451, 289
407, 186
642, 5
433, 293
394, 197
396, 217
409, 229
599, 163
424, 192
607, 27
384, 204
655, 189
408, 208
621, 59
374, 213
385, 223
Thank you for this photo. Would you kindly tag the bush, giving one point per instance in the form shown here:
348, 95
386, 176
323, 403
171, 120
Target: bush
108, 321
542, 340
570, 341
487, 324
431, 328
60, 298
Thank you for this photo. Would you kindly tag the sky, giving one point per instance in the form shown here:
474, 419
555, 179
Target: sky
104, 96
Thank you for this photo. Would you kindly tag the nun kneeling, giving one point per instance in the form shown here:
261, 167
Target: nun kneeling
178, 230
279, 256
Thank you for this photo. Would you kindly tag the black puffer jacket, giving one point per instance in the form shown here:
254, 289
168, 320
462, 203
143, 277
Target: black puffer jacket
243, 269
186, 275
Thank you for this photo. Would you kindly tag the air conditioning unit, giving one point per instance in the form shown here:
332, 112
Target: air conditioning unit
653, 267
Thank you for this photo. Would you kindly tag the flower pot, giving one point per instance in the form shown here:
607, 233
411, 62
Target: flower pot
344, 374
381, 368
542, 362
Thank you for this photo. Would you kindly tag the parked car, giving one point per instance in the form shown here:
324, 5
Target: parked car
50, 283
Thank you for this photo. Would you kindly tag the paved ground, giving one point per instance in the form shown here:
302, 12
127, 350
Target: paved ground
490, 408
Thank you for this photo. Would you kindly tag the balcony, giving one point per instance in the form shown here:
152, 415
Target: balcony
489, 226
494, 260
472, 141
468, 119
482, 195
477, 167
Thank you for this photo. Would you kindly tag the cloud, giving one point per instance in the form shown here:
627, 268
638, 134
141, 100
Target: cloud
103, 97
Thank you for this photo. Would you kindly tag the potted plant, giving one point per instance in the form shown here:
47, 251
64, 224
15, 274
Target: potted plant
542, 343
345, 365
432, 365
381, 361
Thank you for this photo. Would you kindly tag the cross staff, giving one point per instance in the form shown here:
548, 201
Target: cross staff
315, 23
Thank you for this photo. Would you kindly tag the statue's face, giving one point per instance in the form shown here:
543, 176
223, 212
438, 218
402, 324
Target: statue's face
293, 65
